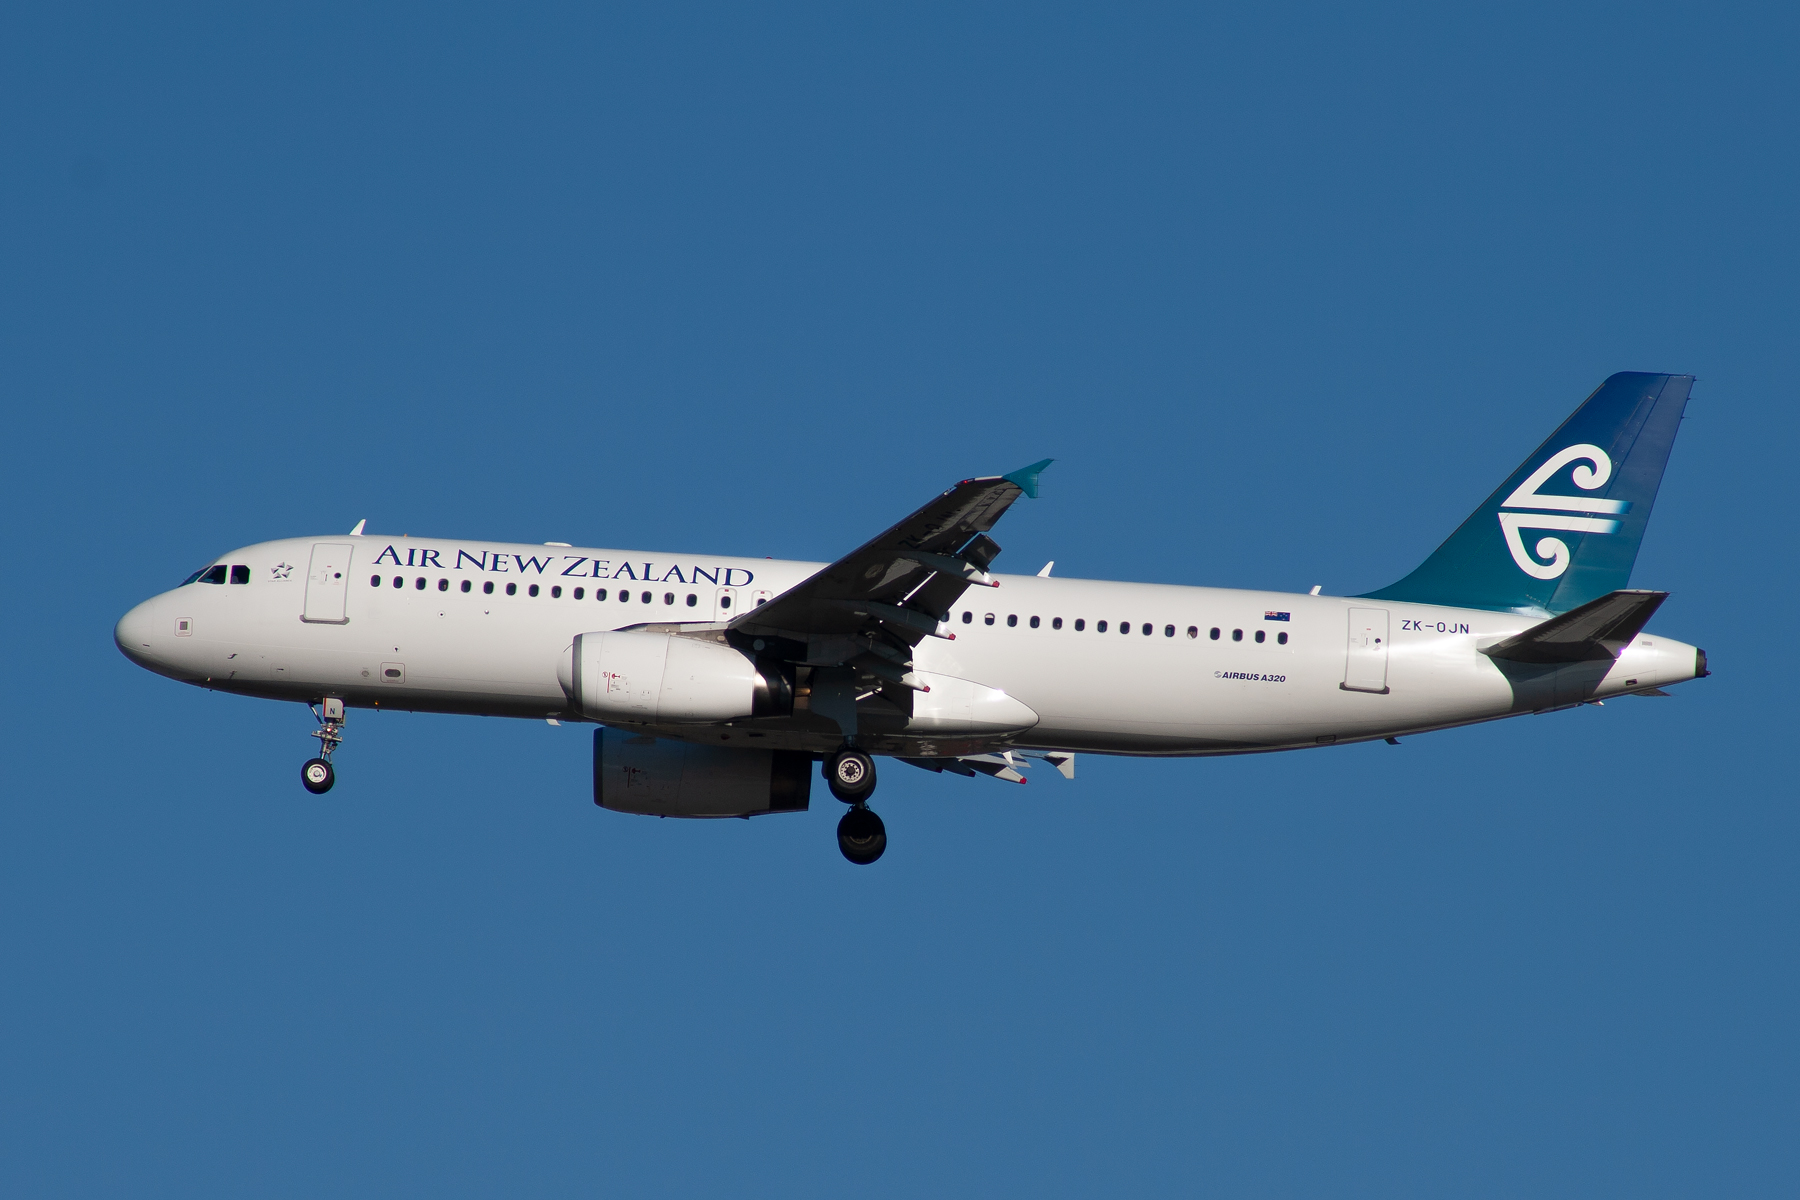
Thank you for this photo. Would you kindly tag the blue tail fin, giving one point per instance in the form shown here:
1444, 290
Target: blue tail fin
1565, 528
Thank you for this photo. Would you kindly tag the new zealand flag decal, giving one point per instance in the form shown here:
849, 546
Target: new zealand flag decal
1275, 616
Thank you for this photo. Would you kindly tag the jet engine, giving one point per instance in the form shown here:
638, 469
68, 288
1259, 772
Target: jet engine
661, 678
659, 777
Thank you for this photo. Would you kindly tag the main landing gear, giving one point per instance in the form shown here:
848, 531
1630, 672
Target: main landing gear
316, 774
850, 774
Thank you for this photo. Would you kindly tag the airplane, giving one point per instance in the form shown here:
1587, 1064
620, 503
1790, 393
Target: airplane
715, 683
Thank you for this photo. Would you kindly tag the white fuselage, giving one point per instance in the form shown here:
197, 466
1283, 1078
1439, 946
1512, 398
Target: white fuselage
428, 625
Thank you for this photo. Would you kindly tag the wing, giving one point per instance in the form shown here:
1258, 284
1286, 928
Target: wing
897, 589
1597, 630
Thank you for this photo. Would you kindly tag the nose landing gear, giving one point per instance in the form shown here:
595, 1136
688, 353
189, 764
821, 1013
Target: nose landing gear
316, 774
850, 774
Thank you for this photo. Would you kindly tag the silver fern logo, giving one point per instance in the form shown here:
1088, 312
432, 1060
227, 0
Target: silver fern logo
1552, 553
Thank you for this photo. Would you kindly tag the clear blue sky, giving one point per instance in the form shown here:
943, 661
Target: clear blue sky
1285, 292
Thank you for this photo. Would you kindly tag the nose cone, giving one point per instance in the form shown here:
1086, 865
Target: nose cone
136, 635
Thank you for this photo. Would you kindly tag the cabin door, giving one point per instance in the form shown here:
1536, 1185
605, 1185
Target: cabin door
327, 584
1366, 660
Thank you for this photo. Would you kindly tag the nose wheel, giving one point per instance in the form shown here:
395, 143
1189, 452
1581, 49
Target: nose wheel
316, 774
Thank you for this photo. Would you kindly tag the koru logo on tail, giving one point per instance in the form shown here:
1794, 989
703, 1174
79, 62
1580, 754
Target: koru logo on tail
1526, 496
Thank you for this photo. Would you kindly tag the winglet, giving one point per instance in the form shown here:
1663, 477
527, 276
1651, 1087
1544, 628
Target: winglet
1027, 477
358, 531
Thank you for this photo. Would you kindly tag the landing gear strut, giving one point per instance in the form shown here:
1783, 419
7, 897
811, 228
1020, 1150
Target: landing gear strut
316, 774
850, 774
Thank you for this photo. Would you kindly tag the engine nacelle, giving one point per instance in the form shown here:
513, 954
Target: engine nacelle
659, 678
659, 777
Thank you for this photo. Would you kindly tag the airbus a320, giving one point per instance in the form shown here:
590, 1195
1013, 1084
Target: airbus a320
716, 683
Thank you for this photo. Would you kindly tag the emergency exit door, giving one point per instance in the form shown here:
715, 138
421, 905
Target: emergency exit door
327, 584
1366, 658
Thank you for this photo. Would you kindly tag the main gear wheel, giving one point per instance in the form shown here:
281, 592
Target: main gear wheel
861, 836
850, 774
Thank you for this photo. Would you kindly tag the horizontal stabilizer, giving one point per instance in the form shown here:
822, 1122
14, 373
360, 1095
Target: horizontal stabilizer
1597, 630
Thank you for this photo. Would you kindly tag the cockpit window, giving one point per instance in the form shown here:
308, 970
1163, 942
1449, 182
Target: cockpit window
191, 578
240, 574
213, 574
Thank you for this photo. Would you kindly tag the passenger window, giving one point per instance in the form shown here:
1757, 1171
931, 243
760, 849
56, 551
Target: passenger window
760, 601
1012, 620
487, 589
556, 591
512, 589
968, 617
240, 574
1214, 635
1124, 626
580, 592
988, 620
1034, 622
644, 597
214, 574
1080, 624
624, 596
531, 590
692, 600
1100, 626
1281, 638
1237, 635
668, 597
1168, 631
374, 581
724, 601
399, 582
465, 586
1056, 622
1193, 631
1149, 629
419, 583
1260, 637
443, 585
